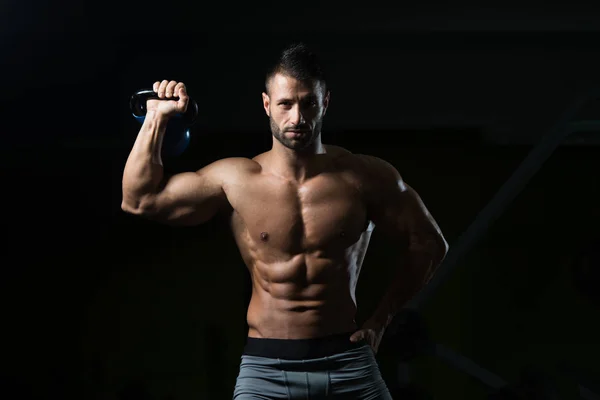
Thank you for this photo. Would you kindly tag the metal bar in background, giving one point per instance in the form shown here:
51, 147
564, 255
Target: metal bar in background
469, 367
584, 133
588, 125
511, 188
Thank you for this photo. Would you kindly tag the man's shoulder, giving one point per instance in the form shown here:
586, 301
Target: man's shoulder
344, 156
366, 163
379, 166
232, 167
240, 162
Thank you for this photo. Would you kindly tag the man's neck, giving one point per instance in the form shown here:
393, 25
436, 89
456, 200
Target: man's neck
295, 165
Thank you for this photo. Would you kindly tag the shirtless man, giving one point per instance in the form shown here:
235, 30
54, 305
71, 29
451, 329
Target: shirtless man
302, 215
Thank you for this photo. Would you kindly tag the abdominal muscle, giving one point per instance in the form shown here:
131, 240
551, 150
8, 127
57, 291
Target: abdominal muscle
304, 297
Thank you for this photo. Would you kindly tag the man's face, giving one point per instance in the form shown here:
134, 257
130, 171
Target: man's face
296, 110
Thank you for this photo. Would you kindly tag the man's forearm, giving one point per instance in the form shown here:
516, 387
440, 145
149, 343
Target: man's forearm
144, 170
408, 281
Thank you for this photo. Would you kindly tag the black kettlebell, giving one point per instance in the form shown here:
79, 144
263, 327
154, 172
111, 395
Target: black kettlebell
177, 135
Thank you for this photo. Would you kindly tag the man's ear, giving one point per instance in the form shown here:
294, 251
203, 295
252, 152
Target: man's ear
266, 103
326, 101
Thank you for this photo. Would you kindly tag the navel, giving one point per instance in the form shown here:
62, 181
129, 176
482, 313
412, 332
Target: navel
264, 236
342, 233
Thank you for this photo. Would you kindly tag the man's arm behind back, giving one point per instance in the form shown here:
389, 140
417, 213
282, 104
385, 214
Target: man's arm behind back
188, 198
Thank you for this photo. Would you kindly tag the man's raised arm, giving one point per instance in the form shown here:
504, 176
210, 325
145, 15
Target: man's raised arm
187, 198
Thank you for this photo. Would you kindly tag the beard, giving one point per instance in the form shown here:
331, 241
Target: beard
298, 144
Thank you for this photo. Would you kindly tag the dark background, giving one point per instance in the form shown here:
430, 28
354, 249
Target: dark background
97, 303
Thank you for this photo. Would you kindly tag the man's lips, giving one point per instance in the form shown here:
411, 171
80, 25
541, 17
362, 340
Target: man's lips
296, 133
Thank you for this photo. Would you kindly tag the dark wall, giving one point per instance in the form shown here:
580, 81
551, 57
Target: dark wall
513, 86
95, 301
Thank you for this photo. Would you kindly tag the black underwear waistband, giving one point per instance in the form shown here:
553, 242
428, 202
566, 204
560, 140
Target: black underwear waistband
298, 349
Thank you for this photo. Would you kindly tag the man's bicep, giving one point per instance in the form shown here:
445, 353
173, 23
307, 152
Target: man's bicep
385, 194
421, 227
397, 208
191, 198
405, 218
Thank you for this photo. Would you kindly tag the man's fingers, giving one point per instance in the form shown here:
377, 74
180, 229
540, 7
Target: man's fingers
180, 90
162, 88
170, 90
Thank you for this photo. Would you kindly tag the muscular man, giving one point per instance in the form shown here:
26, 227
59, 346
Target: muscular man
302, 215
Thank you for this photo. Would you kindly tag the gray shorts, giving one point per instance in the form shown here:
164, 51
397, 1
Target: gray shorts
309, 369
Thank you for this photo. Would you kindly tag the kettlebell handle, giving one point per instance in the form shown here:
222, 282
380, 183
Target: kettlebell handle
138, 100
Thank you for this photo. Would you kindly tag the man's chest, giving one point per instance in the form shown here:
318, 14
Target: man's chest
325, 211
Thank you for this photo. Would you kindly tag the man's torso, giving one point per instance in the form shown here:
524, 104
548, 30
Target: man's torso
303, 244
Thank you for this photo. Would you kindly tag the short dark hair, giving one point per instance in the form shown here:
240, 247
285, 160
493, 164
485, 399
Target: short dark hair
299, 62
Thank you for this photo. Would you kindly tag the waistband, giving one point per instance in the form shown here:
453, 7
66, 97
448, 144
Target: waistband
298, 349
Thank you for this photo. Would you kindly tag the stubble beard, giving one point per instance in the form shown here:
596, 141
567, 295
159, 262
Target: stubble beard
292, 144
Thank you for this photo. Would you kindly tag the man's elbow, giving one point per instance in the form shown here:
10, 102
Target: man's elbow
130, 208
135, 207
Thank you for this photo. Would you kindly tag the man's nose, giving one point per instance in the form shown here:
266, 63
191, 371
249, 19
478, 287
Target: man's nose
297, 117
